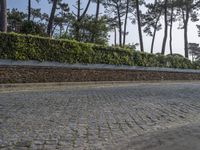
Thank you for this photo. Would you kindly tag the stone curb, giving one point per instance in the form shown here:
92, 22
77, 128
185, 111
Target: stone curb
47, 64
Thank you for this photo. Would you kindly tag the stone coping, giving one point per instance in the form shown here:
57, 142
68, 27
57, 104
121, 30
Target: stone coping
33, 63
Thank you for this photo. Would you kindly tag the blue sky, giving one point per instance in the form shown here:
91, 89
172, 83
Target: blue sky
178, 41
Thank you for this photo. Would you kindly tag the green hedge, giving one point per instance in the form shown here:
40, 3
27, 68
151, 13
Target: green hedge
27, 47
158, 60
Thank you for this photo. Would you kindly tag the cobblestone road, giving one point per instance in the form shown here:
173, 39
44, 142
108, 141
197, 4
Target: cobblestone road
157, 116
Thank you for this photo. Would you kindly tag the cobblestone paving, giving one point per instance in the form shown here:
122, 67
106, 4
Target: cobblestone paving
115, 117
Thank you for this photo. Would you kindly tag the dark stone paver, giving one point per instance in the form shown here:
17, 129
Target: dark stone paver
134, 116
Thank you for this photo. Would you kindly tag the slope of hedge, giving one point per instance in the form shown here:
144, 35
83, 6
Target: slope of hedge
23, 47
26, 47
158, 60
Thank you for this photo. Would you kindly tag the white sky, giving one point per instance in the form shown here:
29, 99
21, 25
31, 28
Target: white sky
178, 38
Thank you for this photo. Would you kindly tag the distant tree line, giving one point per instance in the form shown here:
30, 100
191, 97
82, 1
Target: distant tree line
95, 28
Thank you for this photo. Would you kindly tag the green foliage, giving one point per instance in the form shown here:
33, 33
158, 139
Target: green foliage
158, 60
17, 22
15, 19
91, 30
27, 47
197, 64
194, 50
30, 27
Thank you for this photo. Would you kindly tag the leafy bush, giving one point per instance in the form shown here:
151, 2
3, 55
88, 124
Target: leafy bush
27, 47
197, 64
158, 60
30, 27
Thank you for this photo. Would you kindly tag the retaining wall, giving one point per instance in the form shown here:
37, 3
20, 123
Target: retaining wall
36, 72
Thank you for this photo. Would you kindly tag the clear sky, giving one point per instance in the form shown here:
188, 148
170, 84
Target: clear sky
178, 40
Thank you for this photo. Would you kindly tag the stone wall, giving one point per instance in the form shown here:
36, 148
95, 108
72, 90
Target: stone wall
35, 72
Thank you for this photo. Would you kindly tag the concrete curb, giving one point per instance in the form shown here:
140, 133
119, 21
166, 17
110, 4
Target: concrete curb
47, 64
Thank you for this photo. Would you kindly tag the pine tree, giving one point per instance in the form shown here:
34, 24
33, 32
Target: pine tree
187, 11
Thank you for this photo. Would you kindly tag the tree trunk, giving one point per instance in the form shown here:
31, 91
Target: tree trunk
67, 28
97, 10
186, 37
125, 23
171, 28
51, 19
153, 40
60, 31
154, 33
3, 16
78, 9
96, 19
115, 38
139, 26
166, 29
29, 10
120, 26
77, 28
85, 11
80, 17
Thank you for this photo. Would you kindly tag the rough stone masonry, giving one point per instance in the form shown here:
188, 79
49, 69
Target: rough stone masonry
35, 72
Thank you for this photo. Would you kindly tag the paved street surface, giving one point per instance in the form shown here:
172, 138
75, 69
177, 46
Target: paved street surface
152, 116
